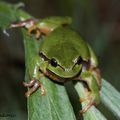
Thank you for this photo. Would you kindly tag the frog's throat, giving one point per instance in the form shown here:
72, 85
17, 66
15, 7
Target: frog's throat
55, 77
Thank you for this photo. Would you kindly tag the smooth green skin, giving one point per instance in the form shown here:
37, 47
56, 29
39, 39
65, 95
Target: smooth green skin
53, 22
65, 46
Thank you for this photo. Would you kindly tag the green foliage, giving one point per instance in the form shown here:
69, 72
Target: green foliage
55, 105
7, 14
111, 98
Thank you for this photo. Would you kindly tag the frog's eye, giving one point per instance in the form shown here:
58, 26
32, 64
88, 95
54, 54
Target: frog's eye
53, 62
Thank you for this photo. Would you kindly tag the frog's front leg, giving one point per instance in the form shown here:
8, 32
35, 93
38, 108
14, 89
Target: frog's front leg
94, 91
24, 23
30, 25
34, 84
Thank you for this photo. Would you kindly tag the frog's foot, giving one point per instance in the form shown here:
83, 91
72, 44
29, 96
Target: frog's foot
30, 25
35, 30
87, 106
39, 31
85, 98
93, 100
34, 85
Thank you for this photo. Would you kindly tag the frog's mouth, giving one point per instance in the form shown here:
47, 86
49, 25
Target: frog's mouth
55, 77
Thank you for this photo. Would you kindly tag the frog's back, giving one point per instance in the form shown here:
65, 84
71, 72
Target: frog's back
66, 45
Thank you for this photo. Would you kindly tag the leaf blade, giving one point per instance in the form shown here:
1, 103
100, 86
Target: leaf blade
7, 14
111, 98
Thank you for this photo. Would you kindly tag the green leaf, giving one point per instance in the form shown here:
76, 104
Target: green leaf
10, 13
7, 14
111, 98
54, 105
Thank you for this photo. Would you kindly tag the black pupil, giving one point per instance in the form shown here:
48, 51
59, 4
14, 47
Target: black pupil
53, 62
79, 61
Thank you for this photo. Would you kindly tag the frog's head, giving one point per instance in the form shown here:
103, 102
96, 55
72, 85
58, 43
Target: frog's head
61, 66
62, 53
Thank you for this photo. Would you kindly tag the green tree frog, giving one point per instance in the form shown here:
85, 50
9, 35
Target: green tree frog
63, 56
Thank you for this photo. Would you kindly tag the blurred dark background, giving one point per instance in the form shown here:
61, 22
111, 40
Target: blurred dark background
98, 22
